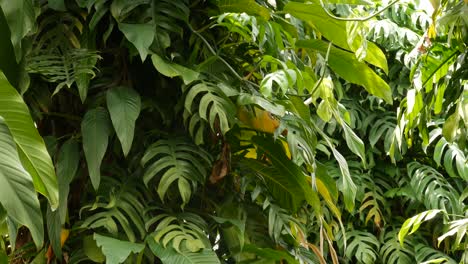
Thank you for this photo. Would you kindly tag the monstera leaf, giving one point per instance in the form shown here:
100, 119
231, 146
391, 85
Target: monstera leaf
176, 161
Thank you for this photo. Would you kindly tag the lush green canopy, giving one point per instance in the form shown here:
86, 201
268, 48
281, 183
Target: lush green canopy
226, 131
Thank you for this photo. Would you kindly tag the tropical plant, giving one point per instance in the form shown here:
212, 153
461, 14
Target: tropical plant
221, 131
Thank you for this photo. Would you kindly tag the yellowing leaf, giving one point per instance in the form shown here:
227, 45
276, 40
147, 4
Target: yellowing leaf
261, 120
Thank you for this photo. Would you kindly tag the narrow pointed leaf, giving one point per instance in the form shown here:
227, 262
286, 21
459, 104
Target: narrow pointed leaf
95, 128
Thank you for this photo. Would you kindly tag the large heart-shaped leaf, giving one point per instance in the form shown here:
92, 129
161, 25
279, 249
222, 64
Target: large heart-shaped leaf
95, 128
31, 147
140, 35
124, 106
17, 194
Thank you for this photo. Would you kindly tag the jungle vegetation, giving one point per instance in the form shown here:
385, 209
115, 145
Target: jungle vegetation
233, 131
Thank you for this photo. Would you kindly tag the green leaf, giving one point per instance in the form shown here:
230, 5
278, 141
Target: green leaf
376, 57
436, 65
31, 147
414, 223
171, 69
124, 106
40, 257
285, 180
119, 213
243, 6
116, 251
349, 188
67, 165
354, 143
335, 31
21, 18
140, 35
249, 99
451, 126
120, 9
349, 68
324, 111
72, 66
3, 257
363, 246
7, 55
175, 160
427, 254
91, 250
17, 194
54, 228
458, 228
270, 254
169, 255
58, 5
350, 2
234, 232
95, 129
214, 106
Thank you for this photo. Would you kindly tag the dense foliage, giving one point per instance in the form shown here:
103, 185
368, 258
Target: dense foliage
224, 131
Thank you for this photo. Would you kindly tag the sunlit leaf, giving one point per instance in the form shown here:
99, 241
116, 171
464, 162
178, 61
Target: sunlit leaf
17, 194
31, 147
348, 67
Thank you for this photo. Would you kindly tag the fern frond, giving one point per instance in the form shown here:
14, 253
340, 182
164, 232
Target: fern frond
64, 69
